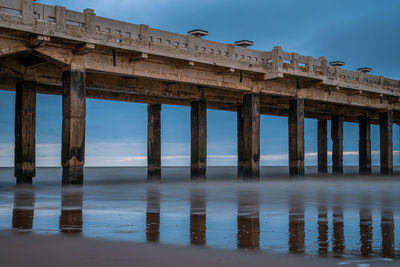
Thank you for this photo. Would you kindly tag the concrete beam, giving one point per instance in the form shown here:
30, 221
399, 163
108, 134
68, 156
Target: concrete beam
73, 127
198, 121
25, 129
251, 134
296, 137
386, 143
154, 141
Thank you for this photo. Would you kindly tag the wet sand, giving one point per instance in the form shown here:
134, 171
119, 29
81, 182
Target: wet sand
27, 249
118, 218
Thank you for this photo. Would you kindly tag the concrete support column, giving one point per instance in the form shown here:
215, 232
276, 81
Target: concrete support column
154, 141
296, 137
73, 126
198, 120
322, 146
240, 140
251, 135
364, 146
25, 128
337, 146
386, 123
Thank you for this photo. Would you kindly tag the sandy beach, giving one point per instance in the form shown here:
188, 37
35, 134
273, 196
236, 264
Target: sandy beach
26, 249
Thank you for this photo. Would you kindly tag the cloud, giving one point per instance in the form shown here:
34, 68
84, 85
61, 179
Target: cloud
120, 154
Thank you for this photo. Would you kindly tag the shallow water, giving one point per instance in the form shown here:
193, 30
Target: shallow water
348, 216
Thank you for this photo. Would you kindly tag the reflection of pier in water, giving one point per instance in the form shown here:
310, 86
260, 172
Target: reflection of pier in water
296, 224
71, 210
338, 227
248, 220
198, 217
387, 227
365, 228
23, 211
153, 215
323, 244
249, 228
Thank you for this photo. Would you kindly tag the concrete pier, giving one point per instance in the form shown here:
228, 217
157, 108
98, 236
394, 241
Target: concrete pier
322, 146
364, 146
386, 144
240, 140
337, 146
154, 142
296, 137
198, 121
73, 126
25, 128
251, 135
78, 55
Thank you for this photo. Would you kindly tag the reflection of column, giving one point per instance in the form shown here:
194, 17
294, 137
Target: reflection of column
365, 230
296, 224
24, 202
387, 227
153, 215
71, 210
322, 227
248, 220
338, 231
198, 217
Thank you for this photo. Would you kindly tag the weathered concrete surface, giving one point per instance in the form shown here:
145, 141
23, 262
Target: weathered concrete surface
296, 137
73, 127
251, 134
364, 146
386, 143
337, 145
322, 146
25, 128
154, 141
198, 156
137, 63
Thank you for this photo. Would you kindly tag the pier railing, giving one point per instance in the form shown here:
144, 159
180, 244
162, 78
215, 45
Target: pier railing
85, 26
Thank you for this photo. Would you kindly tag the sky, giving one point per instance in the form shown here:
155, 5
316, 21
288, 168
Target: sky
358, 32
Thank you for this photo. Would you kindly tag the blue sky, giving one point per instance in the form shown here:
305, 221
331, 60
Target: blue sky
359, 32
